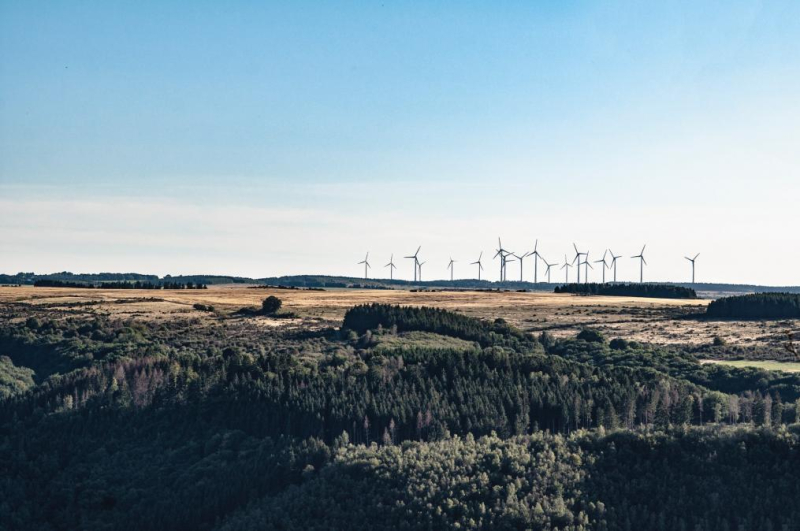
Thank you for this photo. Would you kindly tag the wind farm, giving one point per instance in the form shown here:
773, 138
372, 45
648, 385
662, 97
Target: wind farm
530, 274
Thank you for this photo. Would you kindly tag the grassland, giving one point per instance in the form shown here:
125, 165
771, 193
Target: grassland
663, 321
767, 365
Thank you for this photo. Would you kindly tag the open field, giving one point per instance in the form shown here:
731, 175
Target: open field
661, 321
767, 365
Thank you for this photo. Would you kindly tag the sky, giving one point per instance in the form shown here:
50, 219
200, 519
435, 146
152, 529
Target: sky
271, 138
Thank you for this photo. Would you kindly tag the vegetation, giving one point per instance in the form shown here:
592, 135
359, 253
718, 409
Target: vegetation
767, 365
270, 305
99, 278
756, 306
661, 291
406, 418
47, 283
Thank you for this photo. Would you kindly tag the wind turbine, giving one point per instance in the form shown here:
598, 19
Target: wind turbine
692, 261
420, 270
480, 265
547, 271
450, 267
391, 267
365, 261
605, 265
536, 257
521, 258
566, 266
614, 263
588, 266
577, 258
642, 263
416, 262
503, 254
508, 260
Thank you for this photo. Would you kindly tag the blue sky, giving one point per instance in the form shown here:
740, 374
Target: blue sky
276, 138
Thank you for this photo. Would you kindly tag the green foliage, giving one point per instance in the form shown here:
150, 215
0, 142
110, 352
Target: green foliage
592, 336
661, 291
13, 380
695, 480
619, 344
407, 318
408, 418
756, 306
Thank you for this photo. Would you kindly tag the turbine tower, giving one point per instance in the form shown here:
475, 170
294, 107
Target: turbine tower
416, 261
587, 266
420, 270
642, 263
521, 258
480, 265
536, 257
692, 260
365, 261
577, 258
547, 271
566, 266
391, 267
605, 265
450, 267
503, 254
614, 263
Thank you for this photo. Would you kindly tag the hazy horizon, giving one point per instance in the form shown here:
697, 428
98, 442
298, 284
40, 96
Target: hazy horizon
266, 140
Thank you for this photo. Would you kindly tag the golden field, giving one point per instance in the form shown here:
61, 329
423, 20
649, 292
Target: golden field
653, 320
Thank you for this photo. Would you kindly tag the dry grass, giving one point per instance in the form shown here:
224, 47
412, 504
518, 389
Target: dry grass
652, 320
767, 365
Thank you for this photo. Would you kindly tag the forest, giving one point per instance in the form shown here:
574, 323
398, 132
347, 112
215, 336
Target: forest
661, 291
756, 306
401, 418
137, 284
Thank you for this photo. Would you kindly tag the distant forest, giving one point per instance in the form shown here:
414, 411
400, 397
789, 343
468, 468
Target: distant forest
46, 283
326, 281
661, 291
757, 306
96, 278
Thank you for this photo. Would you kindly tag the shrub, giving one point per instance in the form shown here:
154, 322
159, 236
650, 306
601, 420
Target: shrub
546, 339
719, 342
618, 343
592, 336
271, 305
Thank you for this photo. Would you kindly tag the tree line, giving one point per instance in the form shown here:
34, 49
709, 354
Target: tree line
661, 291
48, 283
756, 306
